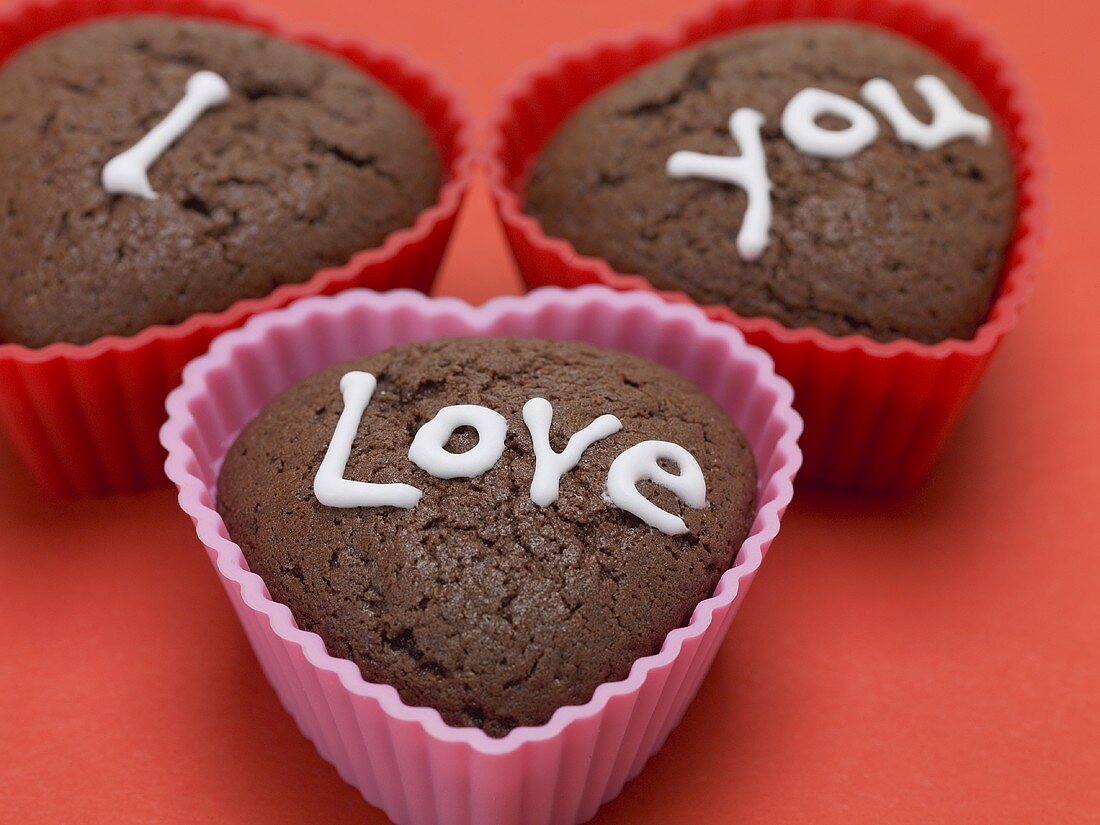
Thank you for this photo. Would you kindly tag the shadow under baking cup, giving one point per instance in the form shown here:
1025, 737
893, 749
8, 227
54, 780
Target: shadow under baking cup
877, 414
84, 418
407, 760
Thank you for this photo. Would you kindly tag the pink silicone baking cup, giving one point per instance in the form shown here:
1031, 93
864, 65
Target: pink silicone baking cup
407, 760
877, 415
84, 419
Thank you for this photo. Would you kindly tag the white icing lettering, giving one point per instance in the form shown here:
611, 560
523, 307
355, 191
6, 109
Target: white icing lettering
639, 463
799, 124
329, 485
427, 451
550, 466
950, 120
748, 170
128, 173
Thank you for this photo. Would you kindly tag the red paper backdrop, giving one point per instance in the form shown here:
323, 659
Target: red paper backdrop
936, 658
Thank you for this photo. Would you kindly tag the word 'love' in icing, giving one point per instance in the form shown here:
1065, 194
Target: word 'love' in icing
428, 451
128, 173
950, 121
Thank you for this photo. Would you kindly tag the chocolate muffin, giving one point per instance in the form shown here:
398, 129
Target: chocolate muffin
893, 236
308, 161
470, 597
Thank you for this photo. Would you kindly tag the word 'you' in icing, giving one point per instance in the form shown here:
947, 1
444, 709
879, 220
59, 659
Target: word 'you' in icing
950, 121
428, 451
128, 172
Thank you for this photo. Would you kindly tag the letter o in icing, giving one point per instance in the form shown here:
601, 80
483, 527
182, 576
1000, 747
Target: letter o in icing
799, 123
427, 450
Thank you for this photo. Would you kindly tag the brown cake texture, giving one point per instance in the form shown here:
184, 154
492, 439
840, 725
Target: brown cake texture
476, 601
309, 161
894, 242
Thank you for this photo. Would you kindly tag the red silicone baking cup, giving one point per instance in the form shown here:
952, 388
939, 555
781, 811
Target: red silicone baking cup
84, 419
877, 414
406, 759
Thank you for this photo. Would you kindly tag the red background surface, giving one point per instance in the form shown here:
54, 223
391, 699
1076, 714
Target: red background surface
934, 658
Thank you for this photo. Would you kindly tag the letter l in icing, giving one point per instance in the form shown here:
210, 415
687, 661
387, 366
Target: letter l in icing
329, 485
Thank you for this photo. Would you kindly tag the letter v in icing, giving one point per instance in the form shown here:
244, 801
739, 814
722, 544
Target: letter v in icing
550, 466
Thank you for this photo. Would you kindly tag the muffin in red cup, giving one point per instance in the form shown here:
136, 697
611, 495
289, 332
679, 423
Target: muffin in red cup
172, 169
858, 191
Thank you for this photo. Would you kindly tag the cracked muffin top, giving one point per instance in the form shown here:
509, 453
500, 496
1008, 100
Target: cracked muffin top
472, 598
892, 226
308, 161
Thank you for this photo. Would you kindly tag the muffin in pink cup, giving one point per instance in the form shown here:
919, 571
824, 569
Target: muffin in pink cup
403, 746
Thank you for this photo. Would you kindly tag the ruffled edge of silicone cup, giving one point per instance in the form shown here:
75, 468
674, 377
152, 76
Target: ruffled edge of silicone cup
264, 336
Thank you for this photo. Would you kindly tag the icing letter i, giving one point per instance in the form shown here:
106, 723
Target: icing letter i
128, 173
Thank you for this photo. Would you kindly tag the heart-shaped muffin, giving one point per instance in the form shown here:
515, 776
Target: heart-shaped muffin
134, 199
823, 174
491, 544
